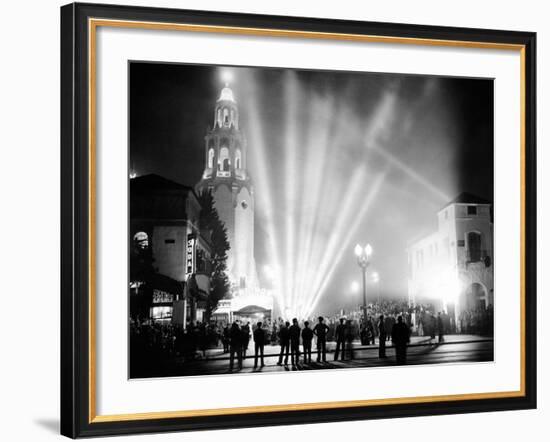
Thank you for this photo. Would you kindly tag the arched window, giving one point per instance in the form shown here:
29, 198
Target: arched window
210, 158
474, 246
225, 116
220, 119
224, 162
476, 297
238, 159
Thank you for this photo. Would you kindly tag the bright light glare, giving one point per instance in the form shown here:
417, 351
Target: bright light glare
313, 208
354, 287
269, 272
375, 277
368, 250
450, 290
227, 76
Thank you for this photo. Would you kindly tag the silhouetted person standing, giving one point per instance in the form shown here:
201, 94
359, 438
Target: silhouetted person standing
225, 339
440, 328
370, 331
400, 336
245, 340
389, 322
320, 331
294, 332
340, 339
349, 336
259, 342
307, 337
381, 337
284, 339
235, 348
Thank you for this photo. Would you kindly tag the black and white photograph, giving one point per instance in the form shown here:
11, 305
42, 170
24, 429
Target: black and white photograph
285, 220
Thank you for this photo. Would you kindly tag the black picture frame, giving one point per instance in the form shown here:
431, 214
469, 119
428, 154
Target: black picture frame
76, 403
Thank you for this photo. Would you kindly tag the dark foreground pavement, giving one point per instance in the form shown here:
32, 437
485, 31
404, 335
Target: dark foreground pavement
422, 350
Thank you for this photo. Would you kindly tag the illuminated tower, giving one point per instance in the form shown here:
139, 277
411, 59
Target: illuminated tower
225, 175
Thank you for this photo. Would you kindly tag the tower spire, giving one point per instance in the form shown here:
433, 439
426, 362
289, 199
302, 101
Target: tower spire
225, 175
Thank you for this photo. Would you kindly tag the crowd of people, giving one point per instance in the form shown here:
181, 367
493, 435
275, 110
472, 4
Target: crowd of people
290, 335
387, 321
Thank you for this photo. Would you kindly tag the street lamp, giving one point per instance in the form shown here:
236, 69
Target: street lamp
363, 260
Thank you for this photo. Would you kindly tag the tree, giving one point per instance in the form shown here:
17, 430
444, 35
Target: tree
210, 220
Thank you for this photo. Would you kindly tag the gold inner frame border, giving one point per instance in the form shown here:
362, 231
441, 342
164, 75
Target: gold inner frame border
93, 24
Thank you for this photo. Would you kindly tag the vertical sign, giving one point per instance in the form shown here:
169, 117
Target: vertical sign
190, 255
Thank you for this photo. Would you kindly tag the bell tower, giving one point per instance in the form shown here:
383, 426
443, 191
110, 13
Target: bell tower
226, 176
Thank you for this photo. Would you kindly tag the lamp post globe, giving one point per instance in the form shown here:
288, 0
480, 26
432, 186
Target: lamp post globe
363, 260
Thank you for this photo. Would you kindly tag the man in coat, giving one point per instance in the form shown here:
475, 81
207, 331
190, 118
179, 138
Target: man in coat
320, 331
245, 339
349, 337
340, 336
284, 339
294, 332
259, 342
307, 337
235, 346
400, 336
225, 338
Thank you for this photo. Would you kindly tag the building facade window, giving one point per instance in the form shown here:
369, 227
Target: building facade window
420, 259
474, 246
225, 116
472, 210
238, 159
210, 158
223, 160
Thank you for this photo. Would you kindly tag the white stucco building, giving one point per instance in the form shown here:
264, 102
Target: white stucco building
452, 268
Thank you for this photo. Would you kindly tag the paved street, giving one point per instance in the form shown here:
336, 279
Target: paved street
422, 350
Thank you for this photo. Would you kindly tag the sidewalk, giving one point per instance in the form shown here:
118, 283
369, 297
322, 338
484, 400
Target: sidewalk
273, 350
421, 350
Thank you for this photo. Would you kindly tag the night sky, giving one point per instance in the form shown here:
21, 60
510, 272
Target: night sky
432, 137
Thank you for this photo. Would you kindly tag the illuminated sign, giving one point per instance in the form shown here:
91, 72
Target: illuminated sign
160, 296
190, 255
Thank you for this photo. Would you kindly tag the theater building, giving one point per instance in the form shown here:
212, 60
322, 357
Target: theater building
170, 254
452, 268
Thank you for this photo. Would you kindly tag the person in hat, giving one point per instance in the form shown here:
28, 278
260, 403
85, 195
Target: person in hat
284, 338
307, 337
340, 336
294, 332
259, 342
320, 331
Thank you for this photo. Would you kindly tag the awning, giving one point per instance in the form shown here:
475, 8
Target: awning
251, 309
166, 284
